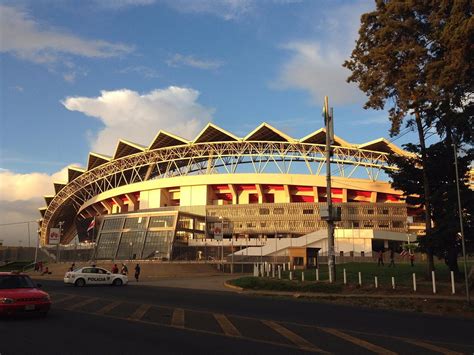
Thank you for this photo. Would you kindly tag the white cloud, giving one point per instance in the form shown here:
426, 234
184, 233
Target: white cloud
138, 117
191, 61
119, 4
225, 9
17, 186
24, 37
146, 72
315, 65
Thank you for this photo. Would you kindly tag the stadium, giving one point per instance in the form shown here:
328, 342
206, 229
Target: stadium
221, 196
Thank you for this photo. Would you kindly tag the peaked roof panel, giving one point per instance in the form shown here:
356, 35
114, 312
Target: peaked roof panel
48, 199
265, 132
96, 159
164, 139
125, 148
319, 137
213, 133
73, 172
42, 210
383, 145
58, 186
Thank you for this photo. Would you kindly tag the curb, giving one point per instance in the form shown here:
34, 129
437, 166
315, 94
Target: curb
237, 288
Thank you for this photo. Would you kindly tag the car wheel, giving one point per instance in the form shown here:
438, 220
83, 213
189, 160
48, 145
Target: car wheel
80, 283
117, 282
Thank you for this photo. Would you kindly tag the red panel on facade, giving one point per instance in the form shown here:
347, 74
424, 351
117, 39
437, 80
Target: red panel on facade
336, 199
246, 187
302, 188
357, 193
270, 198
253, 198
274, 187
225, 197
220, 187
336, 191
299, 198
381, 197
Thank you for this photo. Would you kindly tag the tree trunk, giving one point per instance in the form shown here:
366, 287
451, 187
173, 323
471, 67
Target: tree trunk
426, 187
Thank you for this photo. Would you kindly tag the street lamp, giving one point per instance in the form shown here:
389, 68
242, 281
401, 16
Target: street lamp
466, 279
130, 254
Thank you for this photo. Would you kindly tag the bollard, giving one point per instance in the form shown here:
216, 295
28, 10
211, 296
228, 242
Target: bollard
414, 282
453, 288
433, 281
317, 274
302, 276
360, 278
289, 266
330, 275
284, 266
393, 282
273, 271
376, 282
345, 277
291, 275
279, 272
262, 272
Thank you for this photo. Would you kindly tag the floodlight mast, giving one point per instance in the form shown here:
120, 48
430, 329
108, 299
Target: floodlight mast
329, 124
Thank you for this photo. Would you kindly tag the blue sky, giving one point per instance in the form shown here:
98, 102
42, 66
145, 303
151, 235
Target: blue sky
76, 76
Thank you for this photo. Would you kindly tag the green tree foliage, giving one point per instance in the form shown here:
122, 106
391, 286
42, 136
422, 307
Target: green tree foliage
415, 57
443, 240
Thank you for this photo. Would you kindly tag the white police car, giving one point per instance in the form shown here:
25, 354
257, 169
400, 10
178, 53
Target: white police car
91, 275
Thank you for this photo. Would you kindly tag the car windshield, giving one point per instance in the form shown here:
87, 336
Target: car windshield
15, 281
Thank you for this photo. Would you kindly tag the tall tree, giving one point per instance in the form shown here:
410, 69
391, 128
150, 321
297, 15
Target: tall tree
444, 241
403, 49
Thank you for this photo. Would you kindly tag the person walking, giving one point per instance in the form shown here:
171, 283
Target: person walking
380, 258
115, 269
392, 258
137, 272
412, 258
73, 266
124, 270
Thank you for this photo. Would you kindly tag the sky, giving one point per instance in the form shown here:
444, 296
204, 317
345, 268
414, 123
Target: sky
76, 76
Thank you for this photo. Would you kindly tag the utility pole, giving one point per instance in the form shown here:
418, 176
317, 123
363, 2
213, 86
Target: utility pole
466, 279
328, 121
59, 244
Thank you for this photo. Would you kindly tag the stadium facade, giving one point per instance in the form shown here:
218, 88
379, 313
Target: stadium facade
260, 194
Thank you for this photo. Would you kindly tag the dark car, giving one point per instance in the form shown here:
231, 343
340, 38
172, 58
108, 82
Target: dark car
20, 295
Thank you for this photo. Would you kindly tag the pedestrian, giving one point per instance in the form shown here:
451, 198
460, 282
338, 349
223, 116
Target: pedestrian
46, 271
380, 258
36, 267
115, 269
124, 270
392, 258
137, 272
73, 266
40, 266
412, 258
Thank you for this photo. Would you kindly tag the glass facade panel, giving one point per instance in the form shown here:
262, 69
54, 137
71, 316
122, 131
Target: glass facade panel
158, 244
161, 222
131, 245
136, 223
107, 245
112, 224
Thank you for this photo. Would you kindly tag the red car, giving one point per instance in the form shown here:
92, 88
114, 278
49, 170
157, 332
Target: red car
20, 295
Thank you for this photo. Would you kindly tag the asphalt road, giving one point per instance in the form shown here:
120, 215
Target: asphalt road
138, 319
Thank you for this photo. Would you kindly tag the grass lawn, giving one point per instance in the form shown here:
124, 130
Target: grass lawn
401, 272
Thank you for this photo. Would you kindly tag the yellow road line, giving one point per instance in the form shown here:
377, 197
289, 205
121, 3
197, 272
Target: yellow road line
65, 298
177, 320
293, 337
431, 347
108, 307
81, 304
226, 325
140, 312
362, 343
